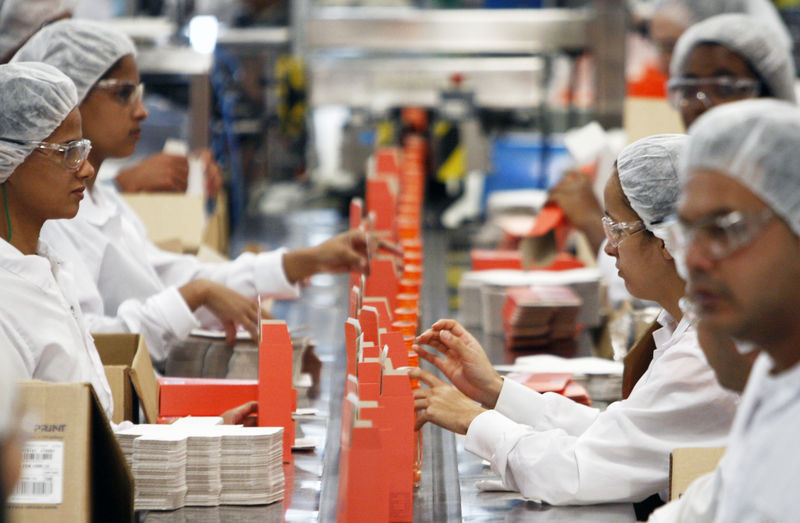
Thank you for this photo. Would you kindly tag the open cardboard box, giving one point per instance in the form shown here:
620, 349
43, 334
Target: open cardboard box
130, 374
171, 216
688, 464
73, 467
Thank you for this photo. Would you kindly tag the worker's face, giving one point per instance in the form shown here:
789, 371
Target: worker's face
753, 291
712, 61
111, 120
42, 187
639, 255
665, 29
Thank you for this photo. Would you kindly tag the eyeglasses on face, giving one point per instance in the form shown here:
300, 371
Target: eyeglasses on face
126, 93
710, 91
616, 232
720, 236
72, 154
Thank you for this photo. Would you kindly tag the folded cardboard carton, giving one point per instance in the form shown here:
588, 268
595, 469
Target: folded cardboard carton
688, 464
171, 216
130, 375
72, 467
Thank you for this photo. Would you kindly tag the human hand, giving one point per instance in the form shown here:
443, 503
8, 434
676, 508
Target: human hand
344, 252
160, 172
442, 404
463, 361
241, 415
213, 174
575, 196
229, 306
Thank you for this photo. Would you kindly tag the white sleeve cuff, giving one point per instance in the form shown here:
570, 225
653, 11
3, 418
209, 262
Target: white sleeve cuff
483, 434
270, 279
519, 403
176, 312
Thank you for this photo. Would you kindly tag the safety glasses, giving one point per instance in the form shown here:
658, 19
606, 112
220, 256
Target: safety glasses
72, 154
616, 232
720, 236
710, 91
126, 93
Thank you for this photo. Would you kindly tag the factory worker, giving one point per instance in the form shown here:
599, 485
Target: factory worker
550, 448
672, 17
43, 172
739, 222
719, 60
127, 283
725, 59
20, 19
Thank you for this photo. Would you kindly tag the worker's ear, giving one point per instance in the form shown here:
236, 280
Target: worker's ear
664, 251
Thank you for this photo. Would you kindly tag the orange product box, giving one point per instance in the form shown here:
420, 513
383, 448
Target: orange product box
180, 397
488, 259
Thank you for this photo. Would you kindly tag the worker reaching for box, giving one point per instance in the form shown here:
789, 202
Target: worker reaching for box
126, 283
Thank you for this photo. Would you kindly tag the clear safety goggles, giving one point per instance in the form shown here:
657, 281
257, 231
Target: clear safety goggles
719, 236
126, 93
710, 91
616, 232
72, 154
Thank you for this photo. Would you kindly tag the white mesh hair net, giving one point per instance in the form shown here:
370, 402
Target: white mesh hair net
19, 19
34, 99
690, 12
755, 142
648, 174
82, 50
752, 40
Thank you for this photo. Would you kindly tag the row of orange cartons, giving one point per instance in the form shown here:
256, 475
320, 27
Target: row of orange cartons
381, 454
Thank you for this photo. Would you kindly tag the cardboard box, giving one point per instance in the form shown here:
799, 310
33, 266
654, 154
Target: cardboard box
171, 216
688, 464
73, 467
643, 117
180, 397
130, 374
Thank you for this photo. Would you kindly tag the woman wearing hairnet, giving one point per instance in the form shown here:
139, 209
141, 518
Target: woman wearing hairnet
672, 17
558, 451
131, 285
738, 232
728, 58
43, 171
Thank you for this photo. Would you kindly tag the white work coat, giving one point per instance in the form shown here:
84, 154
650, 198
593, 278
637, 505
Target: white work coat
41, 325
127, 284
759, 476
550, 448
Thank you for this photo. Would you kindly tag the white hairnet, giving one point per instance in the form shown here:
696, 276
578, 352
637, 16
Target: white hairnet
82, 50
752, 40
34, 99
690, 12
648, 174
19, 19
755, 142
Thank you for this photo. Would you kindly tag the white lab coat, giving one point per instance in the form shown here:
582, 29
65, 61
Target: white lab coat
127, 284
558, 451
759, 476
41, 325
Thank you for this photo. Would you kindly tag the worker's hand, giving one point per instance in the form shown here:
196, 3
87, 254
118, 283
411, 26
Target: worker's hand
160, 172
576, 198
442, 404
343, 253
230, 307
213, 174
731, 367
462, 360
241, 415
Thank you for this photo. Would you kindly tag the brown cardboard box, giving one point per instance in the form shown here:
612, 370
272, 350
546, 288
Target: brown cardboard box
688, 464
73, 468
130, 375
171, 216
643, 117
